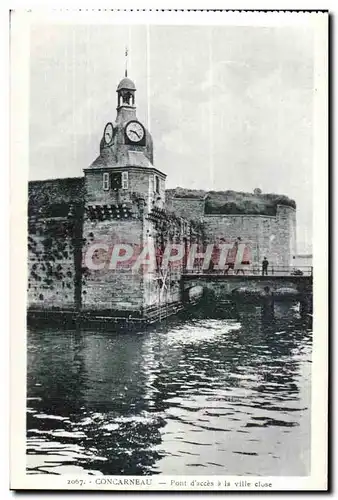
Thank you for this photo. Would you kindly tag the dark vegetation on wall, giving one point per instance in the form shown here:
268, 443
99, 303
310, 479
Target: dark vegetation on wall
234, 202
186, 193
169, 226
52, 197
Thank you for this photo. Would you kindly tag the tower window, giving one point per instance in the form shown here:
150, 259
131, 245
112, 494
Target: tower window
105, 181
157, 184
125, 180
116, 181
151, 184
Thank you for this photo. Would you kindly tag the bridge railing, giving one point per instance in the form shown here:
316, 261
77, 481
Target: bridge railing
255, 271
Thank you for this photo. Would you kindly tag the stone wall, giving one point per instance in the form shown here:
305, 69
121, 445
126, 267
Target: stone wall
268, 236
162, 285
188, 208
286, 231
55, 211
118, 291
145, 290
269, 230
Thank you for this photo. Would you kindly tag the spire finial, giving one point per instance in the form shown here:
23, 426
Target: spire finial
126, 68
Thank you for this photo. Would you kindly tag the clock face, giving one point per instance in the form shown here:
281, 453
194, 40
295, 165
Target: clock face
135, 131
108, 133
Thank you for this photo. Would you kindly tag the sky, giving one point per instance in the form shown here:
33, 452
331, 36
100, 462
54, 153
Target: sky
229, 107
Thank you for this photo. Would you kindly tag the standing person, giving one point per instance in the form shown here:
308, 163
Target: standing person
231, 258
265, 264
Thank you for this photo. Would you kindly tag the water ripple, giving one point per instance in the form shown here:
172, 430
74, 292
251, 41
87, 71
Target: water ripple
221, 391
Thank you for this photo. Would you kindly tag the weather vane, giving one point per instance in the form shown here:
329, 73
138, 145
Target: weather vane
126, 69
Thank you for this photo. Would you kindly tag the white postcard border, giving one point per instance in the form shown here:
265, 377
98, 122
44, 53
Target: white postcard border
19, 175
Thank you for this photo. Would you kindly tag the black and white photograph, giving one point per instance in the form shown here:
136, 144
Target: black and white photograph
174, 253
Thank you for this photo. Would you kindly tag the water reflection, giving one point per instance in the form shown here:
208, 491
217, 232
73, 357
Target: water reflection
194, 396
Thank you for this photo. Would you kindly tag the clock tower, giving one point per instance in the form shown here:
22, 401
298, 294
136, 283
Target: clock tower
122, 187
126, 161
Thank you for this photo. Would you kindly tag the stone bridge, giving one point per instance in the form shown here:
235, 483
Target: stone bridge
220, 288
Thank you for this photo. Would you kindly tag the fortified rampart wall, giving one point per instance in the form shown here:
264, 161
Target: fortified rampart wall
268, 236
54, 243
68, 216
271, 233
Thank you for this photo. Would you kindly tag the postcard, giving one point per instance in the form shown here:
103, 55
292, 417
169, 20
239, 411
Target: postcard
169, 259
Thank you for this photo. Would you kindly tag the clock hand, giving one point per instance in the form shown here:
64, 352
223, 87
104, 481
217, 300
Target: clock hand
136, 134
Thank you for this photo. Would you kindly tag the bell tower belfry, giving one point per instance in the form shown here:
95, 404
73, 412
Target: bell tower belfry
126, 99
126, 89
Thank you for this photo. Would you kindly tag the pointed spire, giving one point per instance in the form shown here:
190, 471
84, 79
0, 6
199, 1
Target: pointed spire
126, 68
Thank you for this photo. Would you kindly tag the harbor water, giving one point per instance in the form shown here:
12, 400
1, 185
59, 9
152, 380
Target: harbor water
194, 395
